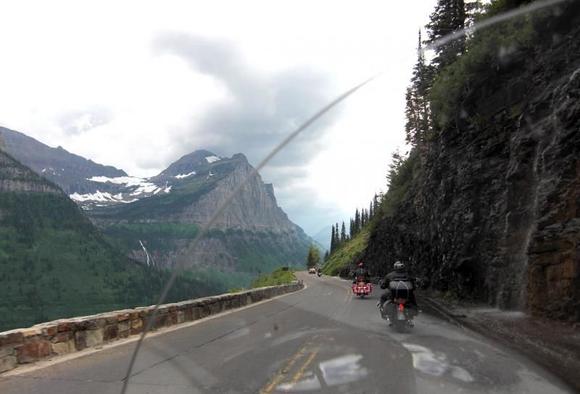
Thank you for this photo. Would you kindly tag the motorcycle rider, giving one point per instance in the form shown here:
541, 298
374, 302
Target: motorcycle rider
399, 273
361, 274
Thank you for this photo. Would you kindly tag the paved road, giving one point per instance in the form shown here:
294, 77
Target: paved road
320, 339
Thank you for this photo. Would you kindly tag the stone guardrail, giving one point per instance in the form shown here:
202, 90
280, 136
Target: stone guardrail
64, 336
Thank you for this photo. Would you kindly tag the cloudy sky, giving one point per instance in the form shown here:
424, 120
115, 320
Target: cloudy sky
137, 84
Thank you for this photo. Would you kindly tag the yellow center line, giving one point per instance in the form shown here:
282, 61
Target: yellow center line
309, 360
282, 373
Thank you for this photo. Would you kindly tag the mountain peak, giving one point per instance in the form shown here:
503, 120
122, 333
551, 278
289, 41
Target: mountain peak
197, 154
240, 157
67, 170
190, 164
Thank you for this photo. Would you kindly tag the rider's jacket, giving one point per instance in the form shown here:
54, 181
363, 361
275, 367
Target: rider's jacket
361, 273
397, 276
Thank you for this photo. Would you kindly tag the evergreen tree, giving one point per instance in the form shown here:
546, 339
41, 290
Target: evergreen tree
371, 212
313, 258
357, 222
396, 163
475, 8
417, 109
352, 230
326, 256
343, 233
449, 16
332, 240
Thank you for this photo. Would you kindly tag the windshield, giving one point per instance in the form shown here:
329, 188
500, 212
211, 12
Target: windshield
290, 197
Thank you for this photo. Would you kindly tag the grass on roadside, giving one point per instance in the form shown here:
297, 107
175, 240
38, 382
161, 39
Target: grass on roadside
347, 254
280, 276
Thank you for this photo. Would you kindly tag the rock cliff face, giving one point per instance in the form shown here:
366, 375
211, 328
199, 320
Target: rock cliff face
14, 177
493, 211
252, 234
254, 209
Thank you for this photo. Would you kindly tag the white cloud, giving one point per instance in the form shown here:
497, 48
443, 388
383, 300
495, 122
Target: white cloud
91, 66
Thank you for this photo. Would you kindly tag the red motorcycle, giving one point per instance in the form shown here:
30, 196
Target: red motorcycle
361, 288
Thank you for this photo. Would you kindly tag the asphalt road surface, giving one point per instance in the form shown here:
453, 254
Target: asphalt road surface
320, 339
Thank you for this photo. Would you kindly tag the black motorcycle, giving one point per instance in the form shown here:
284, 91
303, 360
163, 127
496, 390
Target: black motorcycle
398, 311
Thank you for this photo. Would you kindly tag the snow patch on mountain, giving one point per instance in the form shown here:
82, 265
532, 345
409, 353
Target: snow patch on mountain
97, 196
121, 180
181, 176
126, 189
142, 186
212, 159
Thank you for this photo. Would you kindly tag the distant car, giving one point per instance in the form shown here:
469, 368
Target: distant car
312, 270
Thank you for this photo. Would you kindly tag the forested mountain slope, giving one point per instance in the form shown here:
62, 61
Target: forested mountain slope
55, 263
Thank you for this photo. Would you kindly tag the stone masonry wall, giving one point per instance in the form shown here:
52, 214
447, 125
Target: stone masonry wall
60, 337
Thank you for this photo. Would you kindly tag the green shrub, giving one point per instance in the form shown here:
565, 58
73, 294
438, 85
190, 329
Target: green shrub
278, 277
479, 66
347, 254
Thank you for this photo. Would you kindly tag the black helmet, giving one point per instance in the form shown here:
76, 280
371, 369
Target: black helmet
398, 266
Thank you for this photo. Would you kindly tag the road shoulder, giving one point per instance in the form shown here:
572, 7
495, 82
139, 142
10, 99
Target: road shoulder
551, 344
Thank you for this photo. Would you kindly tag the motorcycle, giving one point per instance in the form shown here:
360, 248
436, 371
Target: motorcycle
361, 288
397, 312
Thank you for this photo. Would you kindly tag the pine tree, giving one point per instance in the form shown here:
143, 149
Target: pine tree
326, 256
475, 8
332, 240
411, 112
396, 163
371, 210
352, 230
357, 222
343, 233
449, 16
417, 110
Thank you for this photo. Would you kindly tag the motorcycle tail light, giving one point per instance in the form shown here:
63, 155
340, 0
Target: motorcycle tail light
401, 307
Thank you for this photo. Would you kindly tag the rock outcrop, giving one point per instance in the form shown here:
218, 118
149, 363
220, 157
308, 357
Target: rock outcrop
252, 234
493, 213
14, 177
254, 208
